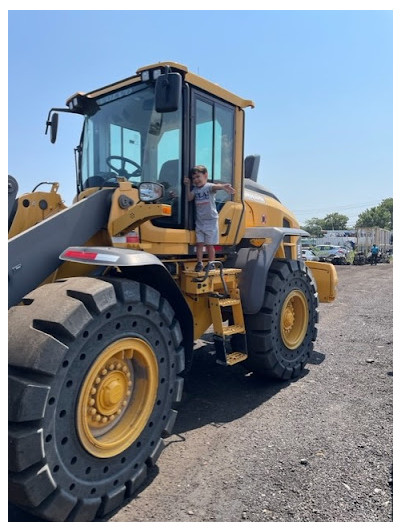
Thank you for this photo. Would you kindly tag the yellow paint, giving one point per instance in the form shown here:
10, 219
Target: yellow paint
30, 213
152, 233
197, 291
123, 220
200, 310
294, 319
325, 276
117, 397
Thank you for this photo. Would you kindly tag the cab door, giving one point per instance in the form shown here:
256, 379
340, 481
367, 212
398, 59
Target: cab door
213, 145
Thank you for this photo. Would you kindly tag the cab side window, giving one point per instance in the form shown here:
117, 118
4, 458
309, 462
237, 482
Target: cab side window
213, 141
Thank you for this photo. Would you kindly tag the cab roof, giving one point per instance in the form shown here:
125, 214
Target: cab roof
189, 77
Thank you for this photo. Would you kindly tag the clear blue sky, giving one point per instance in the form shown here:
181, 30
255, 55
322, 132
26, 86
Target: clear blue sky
322, 83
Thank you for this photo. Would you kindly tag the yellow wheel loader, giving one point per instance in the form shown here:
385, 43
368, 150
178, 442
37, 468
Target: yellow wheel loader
104, 301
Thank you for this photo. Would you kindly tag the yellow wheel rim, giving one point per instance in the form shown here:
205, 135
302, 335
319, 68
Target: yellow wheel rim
294, 319
117, 397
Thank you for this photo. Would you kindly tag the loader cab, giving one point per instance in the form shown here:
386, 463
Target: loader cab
139, 131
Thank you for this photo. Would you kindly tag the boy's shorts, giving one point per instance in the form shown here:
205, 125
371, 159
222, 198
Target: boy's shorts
207, 235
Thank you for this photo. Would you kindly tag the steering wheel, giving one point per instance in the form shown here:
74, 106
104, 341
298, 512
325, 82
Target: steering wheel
122, 172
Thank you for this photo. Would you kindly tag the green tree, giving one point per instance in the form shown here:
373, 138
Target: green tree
335, 221
314, 227
380, 216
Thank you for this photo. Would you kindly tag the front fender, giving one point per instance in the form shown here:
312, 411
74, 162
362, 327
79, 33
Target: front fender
109, 256
146, 268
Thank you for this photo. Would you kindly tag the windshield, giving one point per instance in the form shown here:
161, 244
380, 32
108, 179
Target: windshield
126, 137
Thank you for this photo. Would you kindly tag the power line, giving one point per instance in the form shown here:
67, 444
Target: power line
303, 215
336, 208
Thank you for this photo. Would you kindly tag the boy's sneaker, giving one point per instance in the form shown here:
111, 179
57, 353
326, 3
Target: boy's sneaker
199, 267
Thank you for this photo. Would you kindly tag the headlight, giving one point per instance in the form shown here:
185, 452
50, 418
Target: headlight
156, 73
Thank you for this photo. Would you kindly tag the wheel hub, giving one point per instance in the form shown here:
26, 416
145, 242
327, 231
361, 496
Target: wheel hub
110, 392
288, 317
117, 397
294, 319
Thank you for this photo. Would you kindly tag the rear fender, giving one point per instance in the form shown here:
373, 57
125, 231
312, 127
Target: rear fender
256, 261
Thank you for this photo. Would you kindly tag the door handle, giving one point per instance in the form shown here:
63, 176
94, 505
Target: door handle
228, 223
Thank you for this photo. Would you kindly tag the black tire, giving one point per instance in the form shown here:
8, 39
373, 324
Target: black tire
277, 348
93, 375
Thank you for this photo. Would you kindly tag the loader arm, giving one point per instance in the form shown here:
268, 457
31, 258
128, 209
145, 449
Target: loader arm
34, 254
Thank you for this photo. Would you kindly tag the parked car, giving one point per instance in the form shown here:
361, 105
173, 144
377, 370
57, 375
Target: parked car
327, 250
308, 254
334, 254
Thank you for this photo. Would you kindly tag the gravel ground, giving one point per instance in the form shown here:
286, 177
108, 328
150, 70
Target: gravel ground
317, 449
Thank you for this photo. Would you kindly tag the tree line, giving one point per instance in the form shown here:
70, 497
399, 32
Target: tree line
380, 216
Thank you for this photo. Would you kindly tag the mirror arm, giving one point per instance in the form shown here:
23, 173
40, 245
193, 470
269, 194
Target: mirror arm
56, 109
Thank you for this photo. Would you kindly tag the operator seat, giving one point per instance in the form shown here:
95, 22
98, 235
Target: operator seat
170, 177
169, 174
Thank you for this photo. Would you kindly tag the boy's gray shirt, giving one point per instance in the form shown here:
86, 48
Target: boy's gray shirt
206, 210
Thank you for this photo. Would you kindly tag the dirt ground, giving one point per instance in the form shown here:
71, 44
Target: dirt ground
316, 449
319, 448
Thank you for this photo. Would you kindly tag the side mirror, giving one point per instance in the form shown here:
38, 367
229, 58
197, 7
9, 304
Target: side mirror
251, 165
53, 125
149, 191
168, 92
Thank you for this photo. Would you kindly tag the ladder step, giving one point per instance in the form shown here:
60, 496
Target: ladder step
233, 358
229, 302
233, 329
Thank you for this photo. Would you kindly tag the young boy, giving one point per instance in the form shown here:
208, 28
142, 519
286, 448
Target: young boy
203, 194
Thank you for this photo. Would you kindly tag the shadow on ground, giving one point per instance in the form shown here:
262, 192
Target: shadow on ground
218, 394
213, 394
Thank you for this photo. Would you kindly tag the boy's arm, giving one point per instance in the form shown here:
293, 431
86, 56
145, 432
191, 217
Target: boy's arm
189, 193
223, 186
